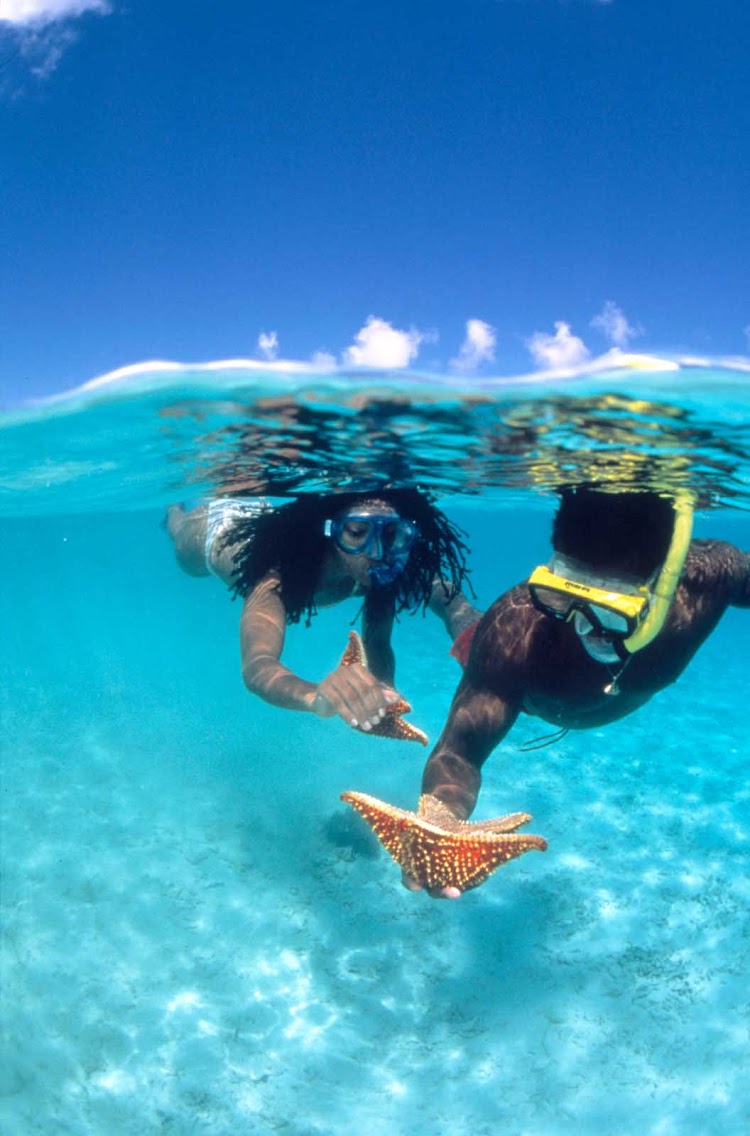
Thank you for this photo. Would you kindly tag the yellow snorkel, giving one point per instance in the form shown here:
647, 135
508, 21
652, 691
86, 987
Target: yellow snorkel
662, 593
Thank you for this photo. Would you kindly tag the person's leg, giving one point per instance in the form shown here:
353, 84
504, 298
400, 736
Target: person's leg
188, 532
221, 559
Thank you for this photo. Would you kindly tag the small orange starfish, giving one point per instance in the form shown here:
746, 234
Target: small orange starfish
438, 850
393, 725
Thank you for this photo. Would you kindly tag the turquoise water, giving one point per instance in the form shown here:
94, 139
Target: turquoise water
196, 939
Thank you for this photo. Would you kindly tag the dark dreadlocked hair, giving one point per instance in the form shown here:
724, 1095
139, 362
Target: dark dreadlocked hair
626, 532
290, 540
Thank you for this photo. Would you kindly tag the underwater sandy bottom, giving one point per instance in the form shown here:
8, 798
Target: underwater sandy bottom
199, 939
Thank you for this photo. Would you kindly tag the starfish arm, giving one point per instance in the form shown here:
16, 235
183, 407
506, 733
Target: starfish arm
355, 652
393, 725
387, 822
501, 824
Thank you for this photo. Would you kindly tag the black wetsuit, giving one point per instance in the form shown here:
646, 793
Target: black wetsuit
522, 661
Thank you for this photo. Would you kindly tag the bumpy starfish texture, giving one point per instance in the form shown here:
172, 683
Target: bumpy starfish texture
393, 725
438, 850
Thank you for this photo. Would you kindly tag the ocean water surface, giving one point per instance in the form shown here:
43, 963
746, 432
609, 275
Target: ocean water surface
197, 937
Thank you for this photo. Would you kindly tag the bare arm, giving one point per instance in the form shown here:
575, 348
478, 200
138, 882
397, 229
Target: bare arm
478, 721
740, 570
352, 692
262, 629
377, 628
457, 613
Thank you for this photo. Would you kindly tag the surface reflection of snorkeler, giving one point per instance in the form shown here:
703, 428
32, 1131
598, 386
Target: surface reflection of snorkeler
615, 616
393, 548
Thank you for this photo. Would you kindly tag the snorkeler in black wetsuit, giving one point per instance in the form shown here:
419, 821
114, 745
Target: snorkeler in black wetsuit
615, 616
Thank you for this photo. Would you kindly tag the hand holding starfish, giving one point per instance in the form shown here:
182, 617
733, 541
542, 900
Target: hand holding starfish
353, 692
439, 852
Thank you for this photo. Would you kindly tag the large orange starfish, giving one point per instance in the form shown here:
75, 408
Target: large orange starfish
438, 850
393, 725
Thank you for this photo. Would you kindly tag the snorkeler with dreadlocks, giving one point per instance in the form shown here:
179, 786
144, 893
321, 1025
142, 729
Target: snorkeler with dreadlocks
615, 616
392, 547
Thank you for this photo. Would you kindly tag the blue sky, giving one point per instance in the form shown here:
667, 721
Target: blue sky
471, 184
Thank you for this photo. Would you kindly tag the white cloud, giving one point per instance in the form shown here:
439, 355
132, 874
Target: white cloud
37, 12
324, 360
478, 346
379, 344
613, 323
43, 30
268, 344
554, 352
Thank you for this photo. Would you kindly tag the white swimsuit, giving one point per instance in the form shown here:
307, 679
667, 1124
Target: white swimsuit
223, 514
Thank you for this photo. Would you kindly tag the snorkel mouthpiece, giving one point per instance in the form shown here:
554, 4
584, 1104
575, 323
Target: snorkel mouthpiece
385, 571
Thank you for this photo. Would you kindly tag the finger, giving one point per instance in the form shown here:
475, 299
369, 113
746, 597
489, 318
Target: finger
362, 697
445, 893
413, 884
392, 697
356, 706
451, 893
342, 695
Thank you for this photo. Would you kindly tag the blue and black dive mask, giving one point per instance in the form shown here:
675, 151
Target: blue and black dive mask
386, 538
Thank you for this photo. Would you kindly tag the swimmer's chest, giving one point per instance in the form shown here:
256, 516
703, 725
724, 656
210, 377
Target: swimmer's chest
564, 685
